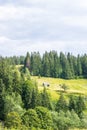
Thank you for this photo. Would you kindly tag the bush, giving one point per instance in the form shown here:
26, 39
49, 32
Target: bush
13, 120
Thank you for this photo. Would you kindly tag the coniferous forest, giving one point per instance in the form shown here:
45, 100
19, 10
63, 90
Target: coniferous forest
50, 64
24, 107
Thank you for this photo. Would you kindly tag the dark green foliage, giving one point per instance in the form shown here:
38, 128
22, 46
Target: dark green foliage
2, 101
13, 103
79, 66
29, 94
80, 106
35, 64
45, 99
71, 64
83, 122
50, 64
65, 120
13, 120
57, 66
23, 107
66, 70
27, 61
46, 65
74, 120
77, 104
16, 60
16, 82
61, 104
84, 65
30, 119
64, 87
25, 73
45, 117
35, 97
26, 94
72, 103
5, 73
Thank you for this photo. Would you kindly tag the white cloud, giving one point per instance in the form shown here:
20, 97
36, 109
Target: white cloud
40, 25
20, 47
77, 21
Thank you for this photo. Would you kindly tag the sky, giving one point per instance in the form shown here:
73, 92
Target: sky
43, 25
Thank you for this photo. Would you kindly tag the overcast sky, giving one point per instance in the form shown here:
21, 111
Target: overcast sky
43, 25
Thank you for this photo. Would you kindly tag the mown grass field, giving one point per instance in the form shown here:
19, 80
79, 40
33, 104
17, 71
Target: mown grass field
76, 86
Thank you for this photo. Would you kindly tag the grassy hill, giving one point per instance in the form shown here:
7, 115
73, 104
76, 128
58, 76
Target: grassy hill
76, 86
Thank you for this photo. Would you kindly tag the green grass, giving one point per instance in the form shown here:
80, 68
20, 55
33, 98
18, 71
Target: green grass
75, 86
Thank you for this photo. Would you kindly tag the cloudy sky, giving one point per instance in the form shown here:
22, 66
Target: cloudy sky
43, 25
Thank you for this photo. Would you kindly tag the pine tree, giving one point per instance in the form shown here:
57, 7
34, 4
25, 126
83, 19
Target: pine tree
80, 106
16, 82
66, 71
70, 60
2, 101
61, 104
27, 61
45, 65
34, 100
84, 65
35, 63
45, 100
79, 67
72, 103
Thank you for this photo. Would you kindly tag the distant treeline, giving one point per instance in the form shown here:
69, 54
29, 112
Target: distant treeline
51, 64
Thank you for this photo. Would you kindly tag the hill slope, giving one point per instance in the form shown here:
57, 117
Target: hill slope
76, 86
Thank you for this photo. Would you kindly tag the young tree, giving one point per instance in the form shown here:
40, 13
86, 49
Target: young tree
2, 101
63, 122
27, 61
61, 104
80, 106
72, 103
77, 104
13, 103
45, 100
13, 120
16, 82
70, 60
79, 67
45, 117
34, 100
30, 119
5, 73
29, 93
64, 87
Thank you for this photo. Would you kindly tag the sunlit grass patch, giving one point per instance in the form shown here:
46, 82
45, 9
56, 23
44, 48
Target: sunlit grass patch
75, 86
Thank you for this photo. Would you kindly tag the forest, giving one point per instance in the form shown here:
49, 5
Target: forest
24, 107
50, 64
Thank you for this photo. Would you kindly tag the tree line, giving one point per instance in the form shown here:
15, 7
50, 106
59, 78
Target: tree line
50, 64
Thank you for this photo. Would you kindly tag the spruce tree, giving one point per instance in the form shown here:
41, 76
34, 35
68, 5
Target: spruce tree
61, 104
27, 61
35, 63
79, 67
80, 106
45, 100
2, 101
46, 65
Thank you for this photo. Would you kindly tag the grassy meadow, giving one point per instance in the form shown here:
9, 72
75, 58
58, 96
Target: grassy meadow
75, 86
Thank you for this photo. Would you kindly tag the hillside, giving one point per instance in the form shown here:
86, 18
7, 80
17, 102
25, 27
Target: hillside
75, 86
